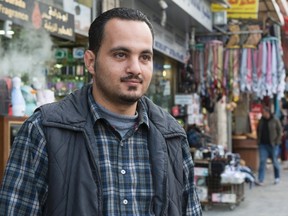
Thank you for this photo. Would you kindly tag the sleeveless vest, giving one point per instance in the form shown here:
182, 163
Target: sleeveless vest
73, 178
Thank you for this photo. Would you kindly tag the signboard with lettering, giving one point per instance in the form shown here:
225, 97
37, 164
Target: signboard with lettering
82, 16
38, 15
240, 9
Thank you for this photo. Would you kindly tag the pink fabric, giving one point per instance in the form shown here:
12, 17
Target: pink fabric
249, 67
236, 89
259, 62
269, 59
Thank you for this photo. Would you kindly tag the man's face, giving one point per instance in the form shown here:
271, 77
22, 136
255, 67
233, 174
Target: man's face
265, 114
124, 63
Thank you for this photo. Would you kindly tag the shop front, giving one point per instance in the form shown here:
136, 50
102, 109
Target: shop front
42, 46
236, 70
48, 42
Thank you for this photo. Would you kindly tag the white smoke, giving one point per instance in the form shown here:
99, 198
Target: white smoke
26, 54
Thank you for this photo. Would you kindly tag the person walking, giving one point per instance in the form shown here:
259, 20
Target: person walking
105, 149
269, 132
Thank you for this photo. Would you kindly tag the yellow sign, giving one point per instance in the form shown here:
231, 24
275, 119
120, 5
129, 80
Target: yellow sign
245, 9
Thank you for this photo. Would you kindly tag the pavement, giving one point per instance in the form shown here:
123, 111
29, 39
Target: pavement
266, 200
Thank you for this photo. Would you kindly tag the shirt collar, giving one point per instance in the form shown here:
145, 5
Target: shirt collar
96, 115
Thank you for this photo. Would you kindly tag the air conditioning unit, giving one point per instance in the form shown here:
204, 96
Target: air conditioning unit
220, 18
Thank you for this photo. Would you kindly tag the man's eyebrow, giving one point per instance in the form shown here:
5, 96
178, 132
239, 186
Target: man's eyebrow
120, 49
147, 51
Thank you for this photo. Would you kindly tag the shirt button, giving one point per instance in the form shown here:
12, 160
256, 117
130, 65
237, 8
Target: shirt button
121, 144
125, 201
123, 172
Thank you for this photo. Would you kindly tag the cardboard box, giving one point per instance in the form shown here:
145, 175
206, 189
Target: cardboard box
200, 171
224, 197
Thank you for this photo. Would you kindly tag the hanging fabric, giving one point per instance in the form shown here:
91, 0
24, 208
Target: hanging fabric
269, 70
274, 77
243, 70
249, 69
209, 77
212, 74
255, 76
235, 70
198, 62
281, 73
225, 80
263, 56
215, 65
231, 73
258, 85
272, 68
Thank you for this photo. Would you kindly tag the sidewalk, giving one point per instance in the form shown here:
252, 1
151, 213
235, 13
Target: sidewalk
264, 200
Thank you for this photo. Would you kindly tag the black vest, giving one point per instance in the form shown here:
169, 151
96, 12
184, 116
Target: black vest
74, 182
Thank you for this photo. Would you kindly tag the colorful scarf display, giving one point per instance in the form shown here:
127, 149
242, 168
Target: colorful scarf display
230, 71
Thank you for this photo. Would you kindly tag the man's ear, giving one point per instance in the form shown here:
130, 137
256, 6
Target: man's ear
89, 59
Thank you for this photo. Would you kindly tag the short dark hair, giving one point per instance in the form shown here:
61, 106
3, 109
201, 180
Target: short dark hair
267, 109
96, 29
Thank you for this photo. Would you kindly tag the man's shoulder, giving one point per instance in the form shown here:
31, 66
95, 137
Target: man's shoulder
162, 119
154, 111
35, 118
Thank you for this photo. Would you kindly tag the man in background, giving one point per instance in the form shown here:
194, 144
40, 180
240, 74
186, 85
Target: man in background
269, 138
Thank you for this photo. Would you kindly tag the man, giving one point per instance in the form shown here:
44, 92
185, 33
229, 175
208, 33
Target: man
105, 149
269, 137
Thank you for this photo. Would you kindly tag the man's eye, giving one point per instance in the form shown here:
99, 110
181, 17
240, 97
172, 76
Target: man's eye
146, 57
120, 55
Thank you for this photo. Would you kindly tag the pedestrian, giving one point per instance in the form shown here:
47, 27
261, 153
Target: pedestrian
105, 149
269, 138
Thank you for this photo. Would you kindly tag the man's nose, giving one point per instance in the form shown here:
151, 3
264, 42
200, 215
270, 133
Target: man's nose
134, 66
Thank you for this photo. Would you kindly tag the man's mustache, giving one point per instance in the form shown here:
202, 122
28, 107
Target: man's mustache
131, 77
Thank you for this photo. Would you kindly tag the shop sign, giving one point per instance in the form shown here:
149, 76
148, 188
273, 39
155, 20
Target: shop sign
240, 9
169, 50
40, 15
78, 52
165, 42
82, 16
61, 53
198, 9
183, 99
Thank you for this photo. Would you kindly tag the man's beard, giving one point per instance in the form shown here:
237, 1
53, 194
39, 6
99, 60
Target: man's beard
128, 99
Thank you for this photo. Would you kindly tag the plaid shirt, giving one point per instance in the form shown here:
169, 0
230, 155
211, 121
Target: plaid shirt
123, 164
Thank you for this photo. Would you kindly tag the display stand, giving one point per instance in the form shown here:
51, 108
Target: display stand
9, 126
211, 190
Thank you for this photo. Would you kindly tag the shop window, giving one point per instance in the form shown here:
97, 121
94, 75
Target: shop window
68, 72
162, 83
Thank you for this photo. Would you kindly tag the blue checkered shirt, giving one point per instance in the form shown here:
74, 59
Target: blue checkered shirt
123, 165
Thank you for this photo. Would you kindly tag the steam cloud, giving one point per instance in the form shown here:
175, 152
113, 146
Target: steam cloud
27, 53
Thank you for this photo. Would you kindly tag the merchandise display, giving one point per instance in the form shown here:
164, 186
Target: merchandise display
17, 99
219, 179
